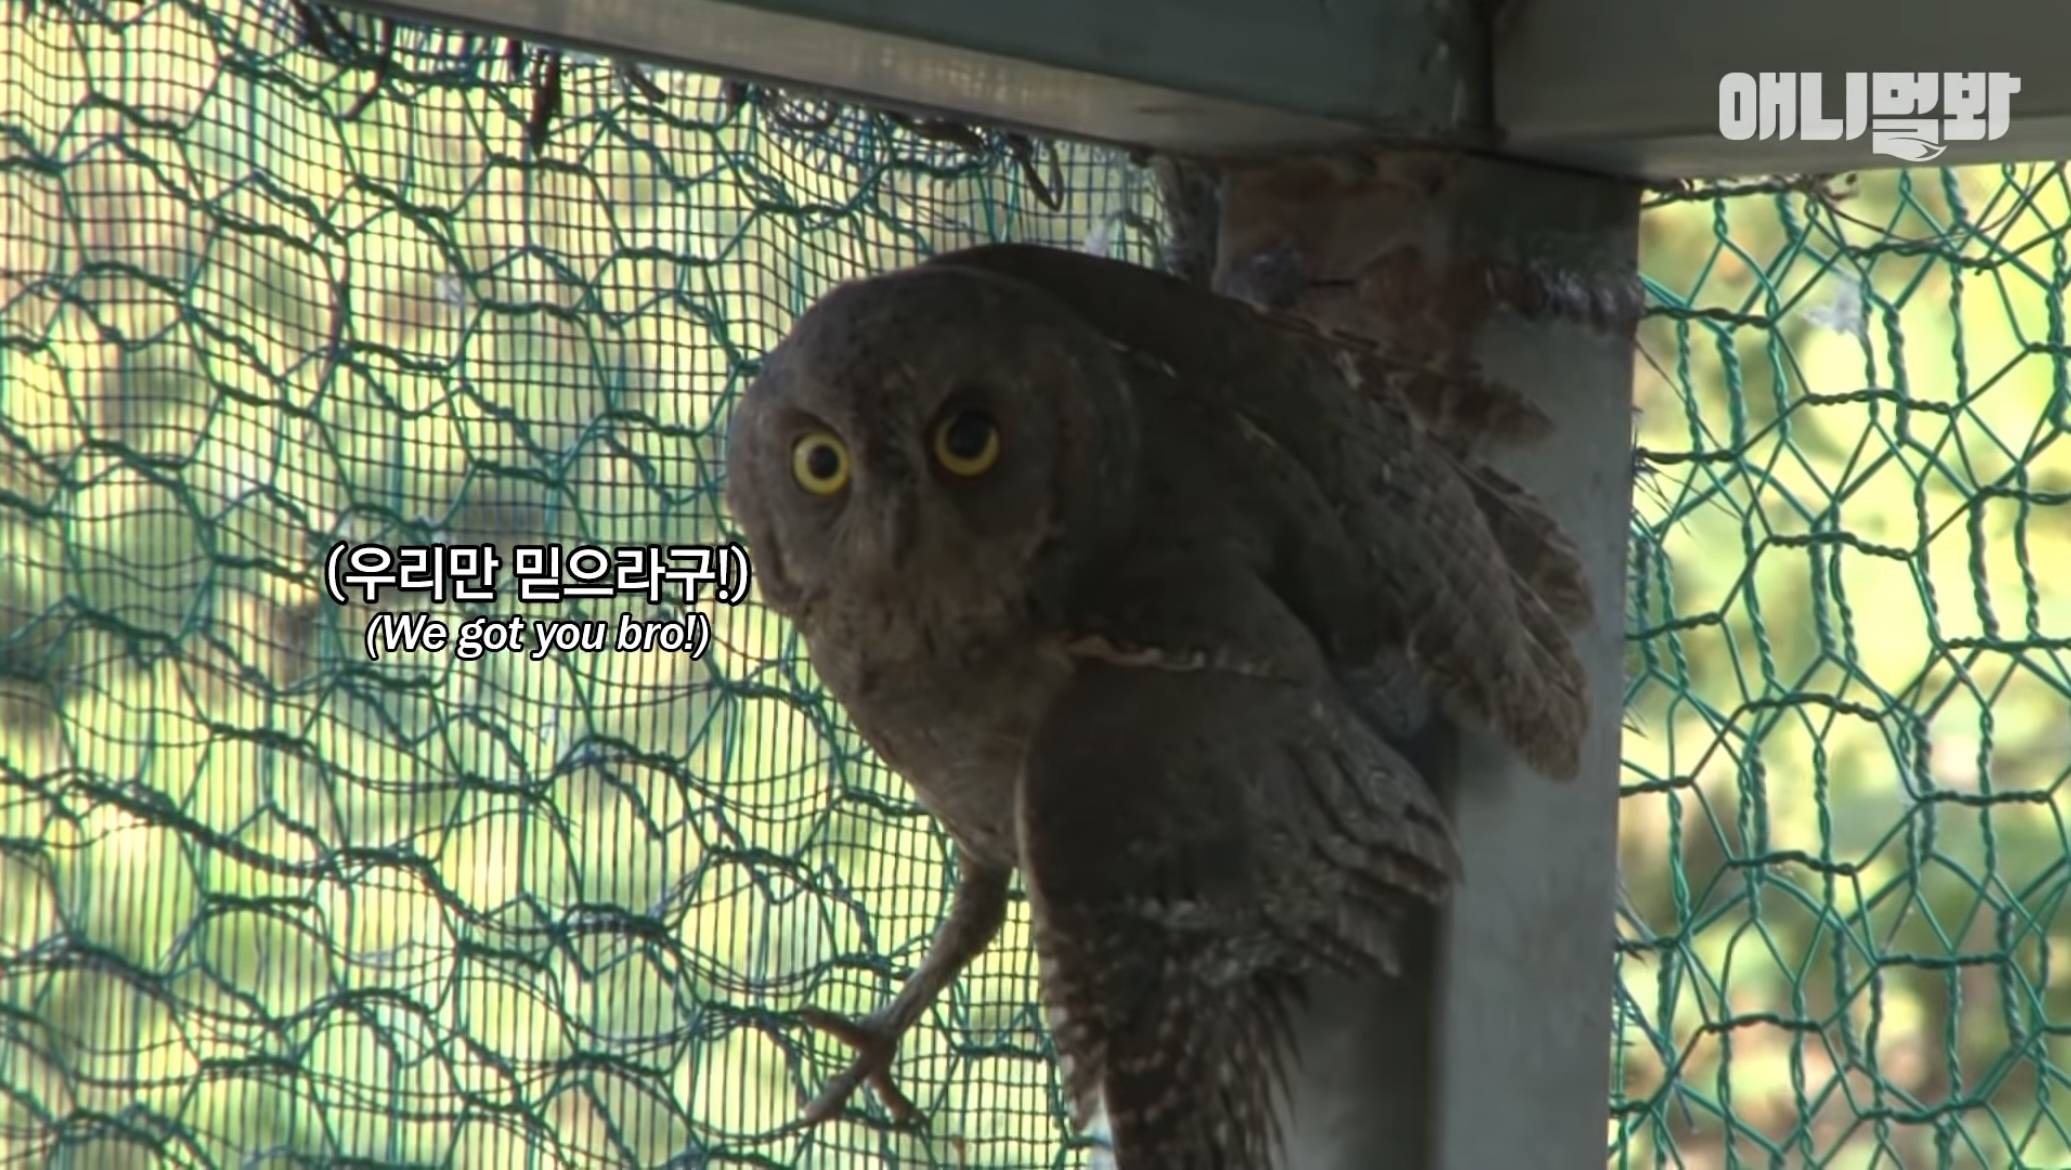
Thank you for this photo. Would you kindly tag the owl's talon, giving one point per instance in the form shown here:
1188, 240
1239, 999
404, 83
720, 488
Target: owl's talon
875, 1046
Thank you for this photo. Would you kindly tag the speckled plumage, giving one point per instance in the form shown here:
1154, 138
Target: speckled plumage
1178, 653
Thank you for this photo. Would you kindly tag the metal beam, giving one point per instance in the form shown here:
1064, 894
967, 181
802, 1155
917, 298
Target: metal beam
1631, 87
1626, 87
1210, 76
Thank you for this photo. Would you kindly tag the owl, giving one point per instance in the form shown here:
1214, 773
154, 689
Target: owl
1174, 606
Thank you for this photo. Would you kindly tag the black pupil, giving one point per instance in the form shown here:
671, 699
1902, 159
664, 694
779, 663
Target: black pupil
823, 461
967, 435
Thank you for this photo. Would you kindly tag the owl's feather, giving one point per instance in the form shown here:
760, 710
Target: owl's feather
1383, 540
1534, 543
1177, 655
1196, 841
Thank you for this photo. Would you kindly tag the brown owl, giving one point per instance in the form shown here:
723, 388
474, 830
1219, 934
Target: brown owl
1165, 601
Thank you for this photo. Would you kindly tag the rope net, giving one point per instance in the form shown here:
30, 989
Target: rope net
266, 286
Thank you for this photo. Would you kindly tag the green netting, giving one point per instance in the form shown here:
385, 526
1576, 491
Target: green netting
1843, 850
267, 901
262, 901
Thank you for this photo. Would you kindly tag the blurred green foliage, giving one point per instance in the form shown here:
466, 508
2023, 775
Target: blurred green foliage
262, 900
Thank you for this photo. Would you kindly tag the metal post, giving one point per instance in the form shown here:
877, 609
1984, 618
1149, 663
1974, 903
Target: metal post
1494, 1049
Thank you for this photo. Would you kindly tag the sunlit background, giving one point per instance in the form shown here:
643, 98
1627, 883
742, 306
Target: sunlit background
264, 901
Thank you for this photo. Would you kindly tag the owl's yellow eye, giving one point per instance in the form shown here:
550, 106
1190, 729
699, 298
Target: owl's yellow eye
820, 463
967, 443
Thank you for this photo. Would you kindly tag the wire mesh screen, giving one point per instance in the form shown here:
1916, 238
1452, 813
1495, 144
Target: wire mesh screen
1847, 703
265, 900
268, 900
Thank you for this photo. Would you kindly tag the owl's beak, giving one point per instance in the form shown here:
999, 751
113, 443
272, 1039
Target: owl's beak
898, 531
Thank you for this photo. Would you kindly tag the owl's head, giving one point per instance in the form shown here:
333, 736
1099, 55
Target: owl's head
937, 443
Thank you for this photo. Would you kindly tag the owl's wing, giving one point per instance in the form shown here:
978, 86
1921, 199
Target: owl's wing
1371, 529
1195, 842
1455, 399
1533, 543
